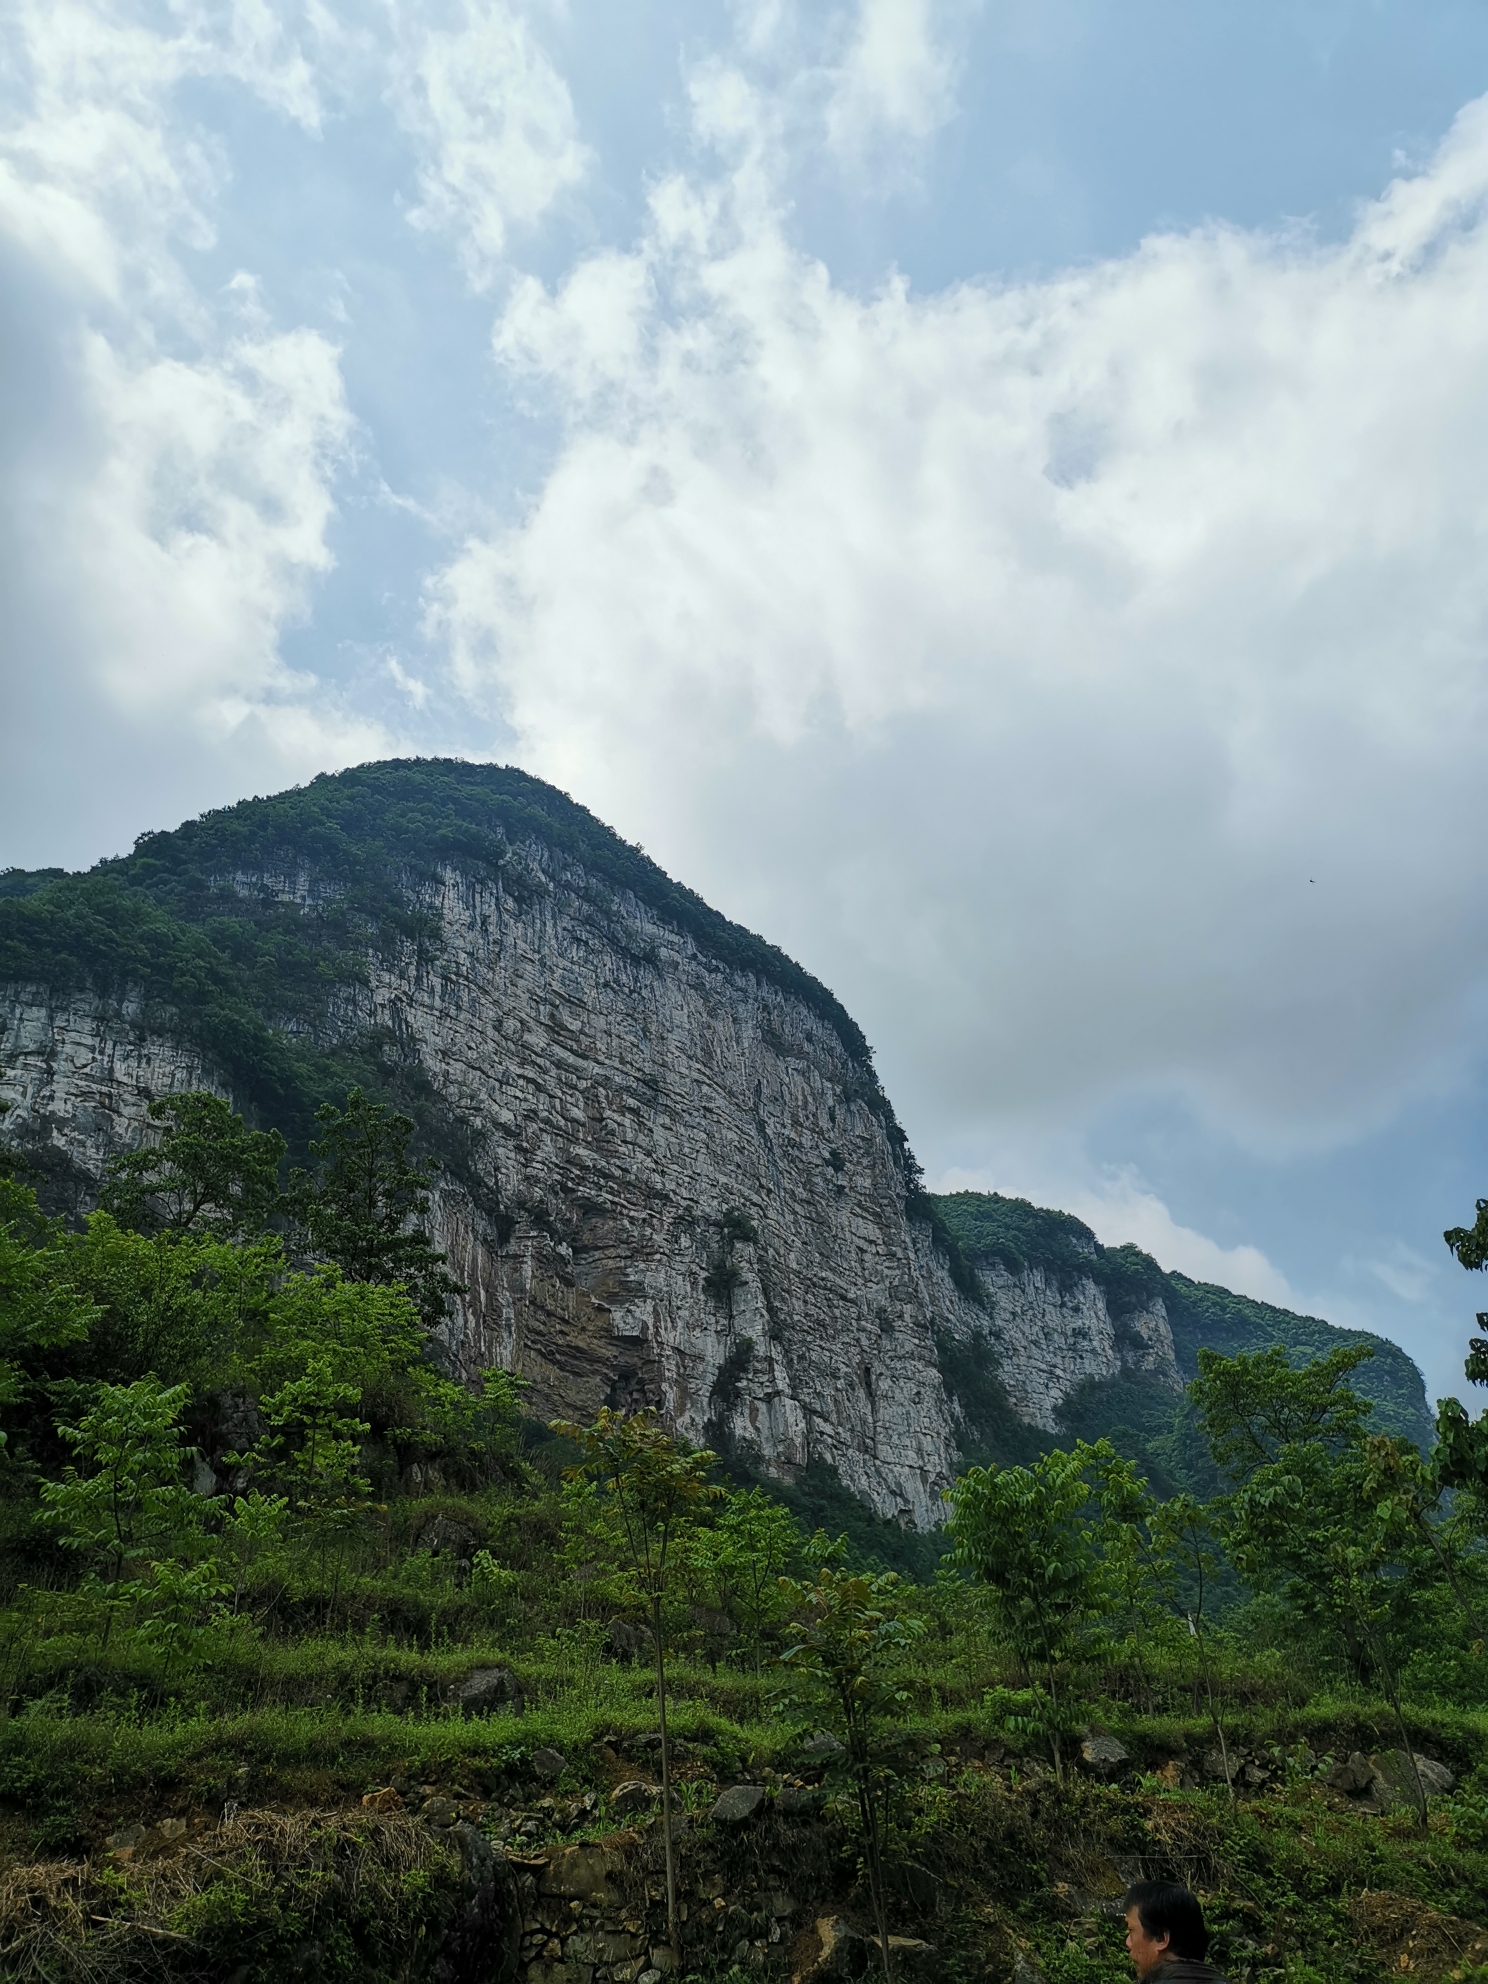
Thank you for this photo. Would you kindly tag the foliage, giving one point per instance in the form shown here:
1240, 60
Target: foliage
365, 1209
744, 1557
41, 1311
123, 1504
851, 1632
1032, 1536
1319, 1511
209, 1173
656, 1488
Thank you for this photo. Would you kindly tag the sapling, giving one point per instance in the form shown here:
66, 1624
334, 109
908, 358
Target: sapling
850, 1631
123, 1499
656, 1488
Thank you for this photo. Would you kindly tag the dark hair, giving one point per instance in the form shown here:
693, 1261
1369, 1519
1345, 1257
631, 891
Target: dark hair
1164, 1908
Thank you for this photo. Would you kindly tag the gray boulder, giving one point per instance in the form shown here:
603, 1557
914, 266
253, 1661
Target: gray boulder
627, 1640
1353, 1777
739, 1805
488, 1691
1394, 1785
443, 1538
1104, 1754
549, 1765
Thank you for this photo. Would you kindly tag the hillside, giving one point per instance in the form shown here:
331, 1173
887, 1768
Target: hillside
1005, 1238
669, 1172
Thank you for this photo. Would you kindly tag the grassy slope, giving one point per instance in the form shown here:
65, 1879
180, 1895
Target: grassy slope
989, 1857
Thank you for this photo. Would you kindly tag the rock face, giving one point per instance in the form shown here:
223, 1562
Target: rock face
1048, 1336
684, 1197
678, 1188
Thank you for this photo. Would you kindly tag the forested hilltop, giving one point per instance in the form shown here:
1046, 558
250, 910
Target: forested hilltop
191, 921
997, 1232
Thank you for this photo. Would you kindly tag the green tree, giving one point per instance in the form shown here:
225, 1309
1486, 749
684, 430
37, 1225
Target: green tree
312, 1448
372, 1339
744, 1556
1470, 1243
366, 1208
1031, 1536
1187, 1558
656, 1489
41, 1311
122, 1500
208, 1175
851, 1631
1317, 1509
175, 1307
179, 1604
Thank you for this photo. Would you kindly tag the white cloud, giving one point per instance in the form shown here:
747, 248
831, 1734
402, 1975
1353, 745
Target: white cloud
1095, 663
1119, 1207
207, 516
496, 128
897, 79
95, 178
167, 494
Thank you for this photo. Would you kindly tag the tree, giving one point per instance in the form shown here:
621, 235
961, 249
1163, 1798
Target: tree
312, 1447
656, 1488
1024, 1532
123, 1499
208, 1175
366, 1208
1470, 1243
41, 1311
851, 1629
1315, 1510
1187, 1558
747, 1550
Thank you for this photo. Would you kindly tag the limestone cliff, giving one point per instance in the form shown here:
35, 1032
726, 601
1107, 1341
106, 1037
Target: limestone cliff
683, 1192
670, 1176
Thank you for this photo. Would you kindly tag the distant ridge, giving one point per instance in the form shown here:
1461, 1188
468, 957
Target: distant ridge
989, 1227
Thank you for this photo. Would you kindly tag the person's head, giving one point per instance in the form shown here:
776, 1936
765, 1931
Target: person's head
1163, 1920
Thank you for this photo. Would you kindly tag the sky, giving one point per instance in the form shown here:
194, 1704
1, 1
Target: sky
994, 495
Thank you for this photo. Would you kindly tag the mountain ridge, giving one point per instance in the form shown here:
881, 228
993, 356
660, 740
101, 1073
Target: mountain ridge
670, 1173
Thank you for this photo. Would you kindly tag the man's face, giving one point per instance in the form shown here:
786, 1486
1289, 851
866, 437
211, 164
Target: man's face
1146, 1951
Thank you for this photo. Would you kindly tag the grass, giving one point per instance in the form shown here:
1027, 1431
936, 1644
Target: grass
264, 1748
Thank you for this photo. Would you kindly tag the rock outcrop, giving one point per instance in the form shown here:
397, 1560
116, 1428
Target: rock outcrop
677, 1187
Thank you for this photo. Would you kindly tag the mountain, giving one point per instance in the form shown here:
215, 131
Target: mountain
669, 1172
1112, 1308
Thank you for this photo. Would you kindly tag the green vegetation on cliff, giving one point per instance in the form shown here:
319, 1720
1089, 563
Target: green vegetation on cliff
1019, 1237
191, 922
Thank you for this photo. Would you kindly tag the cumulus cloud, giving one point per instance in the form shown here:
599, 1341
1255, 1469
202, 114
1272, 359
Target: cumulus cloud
1096, 663
495, 126
95, 178
169, 454
897, 78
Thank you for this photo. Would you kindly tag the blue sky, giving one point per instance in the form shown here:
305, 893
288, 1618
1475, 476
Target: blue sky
991, 494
